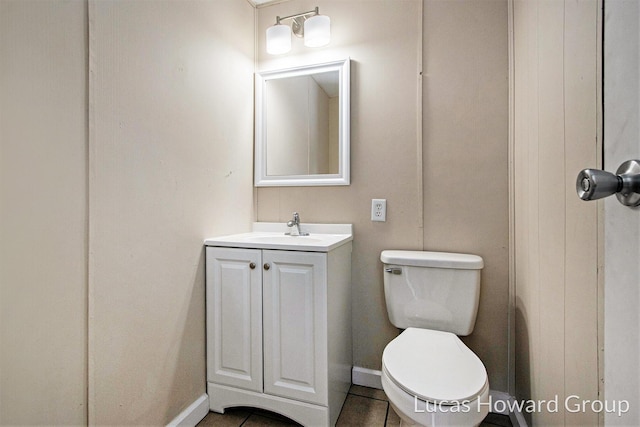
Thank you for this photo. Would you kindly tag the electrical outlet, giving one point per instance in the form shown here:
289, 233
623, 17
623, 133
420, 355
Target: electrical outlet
379, 210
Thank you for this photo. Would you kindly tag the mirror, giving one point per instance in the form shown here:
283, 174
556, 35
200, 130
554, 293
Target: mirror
302, 126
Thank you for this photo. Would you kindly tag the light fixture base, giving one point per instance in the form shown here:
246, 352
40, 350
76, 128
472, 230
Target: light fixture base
297, 26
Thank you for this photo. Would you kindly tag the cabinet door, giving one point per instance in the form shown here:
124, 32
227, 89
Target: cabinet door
234, 317
295, 325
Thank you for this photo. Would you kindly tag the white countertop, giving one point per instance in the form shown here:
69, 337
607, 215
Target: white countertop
268, 235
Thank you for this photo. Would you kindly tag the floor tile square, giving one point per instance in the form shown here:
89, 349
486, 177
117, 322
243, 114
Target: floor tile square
362, 411
256, 420
232, 417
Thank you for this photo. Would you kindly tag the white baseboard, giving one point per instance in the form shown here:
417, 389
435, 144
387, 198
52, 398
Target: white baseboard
503, 398
517, 419
371, 378
366, 377
193, 414
507, 402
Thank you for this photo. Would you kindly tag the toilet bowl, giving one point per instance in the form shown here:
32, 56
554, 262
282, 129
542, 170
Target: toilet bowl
432, 379
429, 375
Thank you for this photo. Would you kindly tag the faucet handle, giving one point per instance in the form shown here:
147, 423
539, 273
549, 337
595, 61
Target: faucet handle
294, 221
295, 225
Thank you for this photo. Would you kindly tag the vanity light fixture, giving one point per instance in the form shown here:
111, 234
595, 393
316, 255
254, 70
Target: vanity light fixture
315, 28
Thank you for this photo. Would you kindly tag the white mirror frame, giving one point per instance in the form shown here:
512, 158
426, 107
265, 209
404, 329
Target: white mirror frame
343, 175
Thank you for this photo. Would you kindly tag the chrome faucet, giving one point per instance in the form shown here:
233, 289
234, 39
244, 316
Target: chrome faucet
294, 224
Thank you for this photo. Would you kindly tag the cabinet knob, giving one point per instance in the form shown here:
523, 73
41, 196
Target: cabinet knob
252, 265
267, 266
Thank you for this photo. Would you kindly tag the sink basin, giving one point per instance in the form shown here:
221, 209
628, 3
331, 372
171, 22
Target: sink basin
287, 240
322, 238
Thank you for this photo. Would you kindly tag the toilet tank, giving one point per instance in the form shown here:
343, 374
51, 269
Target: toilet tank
432, 290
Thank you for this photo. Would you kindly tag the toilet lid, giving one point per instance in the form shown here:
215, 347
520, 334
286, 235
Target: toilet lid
434, 366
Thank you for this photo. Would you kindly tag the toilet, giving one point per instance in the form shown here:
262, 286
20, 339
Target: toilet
429, 375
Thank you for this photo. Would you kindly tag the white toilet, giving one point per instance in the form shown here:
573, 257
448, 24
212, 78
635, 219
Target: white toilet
429, 375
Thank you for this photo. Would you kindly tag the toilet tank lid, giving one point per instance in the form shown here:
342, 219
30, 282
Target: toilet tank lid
432, 259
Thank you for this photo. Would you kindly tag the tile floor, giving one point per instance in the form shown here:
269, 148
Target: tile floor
366, 407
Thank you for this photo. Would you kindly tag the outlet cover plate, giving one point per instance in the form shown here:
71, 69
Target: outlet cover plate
379, 210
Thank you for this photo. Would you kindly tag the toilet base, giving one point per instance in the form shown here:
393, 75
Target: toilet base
416, 412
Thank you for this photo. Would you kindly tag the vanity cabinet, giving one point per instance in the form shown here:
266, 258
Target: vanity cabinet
279, 330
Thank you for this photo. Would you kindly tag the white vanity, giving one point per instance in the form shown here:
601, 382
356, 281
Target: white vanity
279, 321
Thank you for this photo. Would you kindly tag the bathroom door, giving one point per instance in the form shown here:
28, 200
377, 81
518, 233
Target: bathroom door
621, 224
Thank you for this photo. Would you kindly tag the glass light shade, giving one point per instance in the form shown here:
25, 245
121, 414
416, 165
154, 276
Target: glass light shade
317, 31
278, 39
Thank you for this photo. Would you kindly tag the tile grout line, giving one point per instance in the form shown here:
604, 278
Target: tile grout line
243, 422
369, 397
386, 416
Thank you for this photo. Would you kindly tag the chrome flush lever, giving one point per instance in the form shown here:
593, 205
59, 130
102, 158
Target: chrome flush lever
593, 184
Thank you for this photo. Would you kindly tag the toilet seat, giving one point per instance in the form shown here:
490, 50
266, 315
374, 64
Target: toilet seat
434, 366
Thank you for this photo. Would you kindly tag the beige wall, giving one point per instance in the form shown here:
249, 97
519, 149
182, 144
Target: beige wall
43, 212
171, 115
169, 138
556, 135
136, 164
465, 158
426, 180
